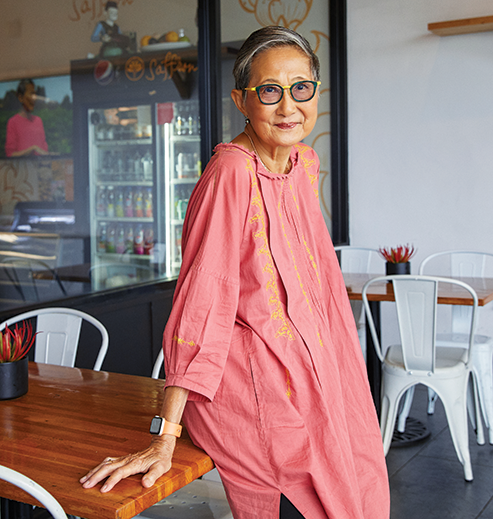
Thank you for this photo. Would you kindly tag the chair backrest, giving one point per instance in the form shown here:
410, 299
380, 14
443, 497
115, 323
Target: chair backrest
58, 339
416, 305
465, 264
35, 490
359, 260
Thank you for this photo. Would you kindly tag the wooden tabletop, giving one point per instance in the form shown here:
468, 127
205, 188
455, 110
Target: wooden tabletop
70, 420
447, 293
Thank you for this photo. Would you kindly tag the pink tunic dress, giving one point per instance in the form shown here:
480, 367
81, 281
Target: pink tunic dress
261, 333
22, 133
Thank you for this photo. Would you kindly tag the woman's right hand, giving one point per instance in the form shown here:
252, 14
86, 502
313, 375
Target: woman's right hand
153, 462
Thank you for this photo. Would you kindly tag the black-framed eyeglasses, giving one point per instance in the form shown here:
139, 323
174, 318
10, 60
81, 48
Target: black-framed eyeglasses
271, 94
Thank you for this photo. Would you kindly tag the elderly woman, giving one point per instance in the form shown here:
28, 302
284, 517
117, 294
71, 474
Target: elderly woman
262, 358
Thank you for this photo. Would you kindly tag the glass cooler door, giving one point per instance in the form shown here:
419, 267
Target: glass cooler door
122, 195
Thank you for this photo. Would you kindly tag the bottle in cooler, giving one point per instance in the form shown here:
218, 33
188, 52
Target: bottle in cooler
148, 203
178, 233
101, 201
119, 204
110, 205
102, 237
148, 240
128, 204
111, 241
139, 240
129, 239
120, 239
147, 163
138, 169
138, 203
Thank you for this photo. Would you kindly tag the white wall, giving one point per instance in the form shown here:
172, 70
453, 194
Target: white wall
420, 128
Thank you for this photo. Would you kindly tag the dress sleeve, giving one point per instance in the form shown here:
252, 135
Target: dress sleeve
199, 330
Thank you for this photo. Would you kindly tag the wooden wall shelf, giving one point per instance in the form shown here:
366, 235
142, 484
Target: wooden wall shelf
464, 26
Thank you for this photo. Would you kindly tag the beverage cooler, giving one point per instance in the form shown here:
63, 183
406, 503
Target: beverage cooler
136, 160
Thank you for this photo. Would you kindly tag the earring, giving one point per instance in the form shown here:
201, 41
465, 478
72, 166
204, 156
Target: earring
247, 121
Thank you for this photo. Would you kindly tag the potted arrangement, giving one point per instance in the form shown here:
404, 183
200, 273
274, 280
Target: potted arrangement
14, 347
397, 259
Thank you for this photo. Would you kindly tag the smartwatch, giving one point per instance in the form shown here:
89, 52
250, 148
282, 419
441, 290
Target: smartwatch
160, 426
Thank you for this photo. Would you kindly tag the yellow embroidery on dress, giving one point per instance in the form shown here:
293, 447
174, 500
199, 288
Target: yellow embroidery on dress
278, 313
183, 341
300, 281
308, 164
312, 259
288, 384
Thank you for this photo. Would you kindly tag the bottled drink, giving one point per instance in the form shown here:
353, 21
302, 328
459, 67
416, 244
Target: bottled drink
128, 204
102, 237
139, 240
138, 170
138, 203
148, 240
120, 239
119, 211
147, 163
180, 164
129, 239
178, 123
111, 241
148, 203
110, 206
178, 233
101, 201
120, 165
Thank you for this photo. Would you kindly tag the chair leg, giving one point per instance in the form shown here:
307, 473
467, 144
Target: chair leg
406, 408
432, 398
452, 393
482, 362
474, 408
391, 396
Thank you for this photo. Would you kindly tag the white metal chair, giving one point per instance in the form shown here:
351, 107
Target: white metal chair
35, 490
201, 499
417, 360
463, 264
58, 339
360, 260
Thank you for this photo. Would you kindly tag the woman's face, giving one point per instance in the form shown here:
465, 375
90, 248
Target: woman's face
28, 98
287, 122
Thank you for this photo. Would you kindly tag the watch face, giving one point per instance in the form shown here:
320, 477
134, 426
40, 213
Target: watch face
156, 425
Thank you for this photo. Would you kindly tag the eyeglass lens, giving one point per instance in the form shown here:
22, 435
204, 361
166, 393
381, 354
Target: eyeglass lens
301, 91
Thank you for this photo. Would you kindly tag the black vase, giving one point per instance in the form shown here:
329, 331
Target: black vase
397, 268
14, 379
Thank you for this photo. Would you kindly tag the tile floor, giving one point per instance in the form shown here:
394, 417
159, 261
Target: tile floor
427, 480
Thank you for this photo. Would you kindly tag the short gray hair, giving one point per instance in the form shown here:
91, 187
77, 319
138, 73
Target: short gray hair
267, 38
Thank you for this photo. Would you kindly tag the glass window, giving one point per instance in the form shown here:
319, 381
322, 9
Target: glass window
100, 151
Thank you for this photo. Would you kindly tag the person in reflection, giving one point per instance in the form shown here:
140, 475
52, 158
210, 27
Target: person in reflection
25, 131
262, 357
114, 43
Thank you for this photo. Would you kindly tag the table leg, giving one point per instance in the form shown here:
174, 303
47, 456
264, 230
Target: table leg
373, 364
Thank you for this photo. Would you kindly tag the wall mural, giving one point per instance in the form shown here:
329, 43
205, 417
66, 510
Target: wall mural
292, 14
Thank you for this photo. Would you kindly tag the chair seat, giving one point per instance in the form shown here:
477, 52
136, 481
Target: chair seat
461, 340
448, 358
